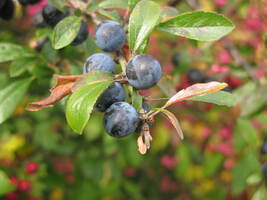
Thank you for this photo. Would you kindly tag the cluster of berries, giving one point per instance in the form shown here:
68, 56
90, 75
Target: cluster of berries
142, 72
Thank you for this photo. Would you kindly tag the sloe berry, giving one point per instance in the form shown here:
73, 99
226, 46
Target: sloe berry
2, 3
112, 94
264, 170
146, 107
7, 10
121, 119
52, 15
110, 36
264, 147
176, 58
195, 76
99, 61
143, 71
82, 35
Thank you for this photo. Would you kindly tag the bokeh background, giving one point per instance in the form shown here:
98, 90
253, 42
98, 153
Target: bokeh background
223, 152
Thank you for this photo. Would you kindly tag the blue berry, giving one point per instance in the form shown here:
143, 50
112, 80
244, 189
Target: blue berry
99, 61
2, 3
112, 94
264, 148
52, 15
195, 76
7, 10
146, 107
143, 71
110, 36
82, 35
121, 119
176, 59
264, 170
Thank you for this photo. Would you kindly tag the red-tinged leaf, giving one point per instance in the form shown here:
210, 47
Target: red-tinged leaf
62, 88
198, 89
174, 122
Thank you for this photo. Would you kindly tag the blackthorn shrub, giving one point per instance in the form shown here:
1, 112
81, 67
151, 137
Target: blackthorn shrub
124, 39
8, 9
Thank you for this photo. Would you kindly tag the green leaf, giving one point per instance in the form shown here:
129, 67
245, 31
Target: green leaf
212, 164
248, 105
132, 3
113, 4
65, 31
5, 185
166, 85
219, 98
11, 96
143, 46
113, 14
168, 12
244, 91
142, 21
81, 104
9, 51
137, 100
59, 4
198, 25
245, 136
185, 161
260, 194
245, 167
20, 65
93, 77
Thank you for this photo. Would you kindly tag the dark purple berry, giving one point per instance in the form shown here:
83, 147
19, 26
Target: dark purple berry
121, 119
110, 36
143, 71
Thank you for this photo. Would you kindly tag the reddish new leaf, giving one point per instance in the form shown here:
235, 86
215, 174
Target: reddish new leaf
62, 88
174, 122
198, 89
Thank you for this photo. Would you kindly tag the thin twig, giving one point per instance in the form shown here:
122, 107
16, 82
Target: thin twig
155, 99
239, 60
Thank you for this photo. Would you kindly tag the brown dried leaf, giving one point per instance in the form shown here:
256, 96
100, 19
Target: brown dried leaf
144, 139
62, 88
174, 122
142, 148
198, 89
